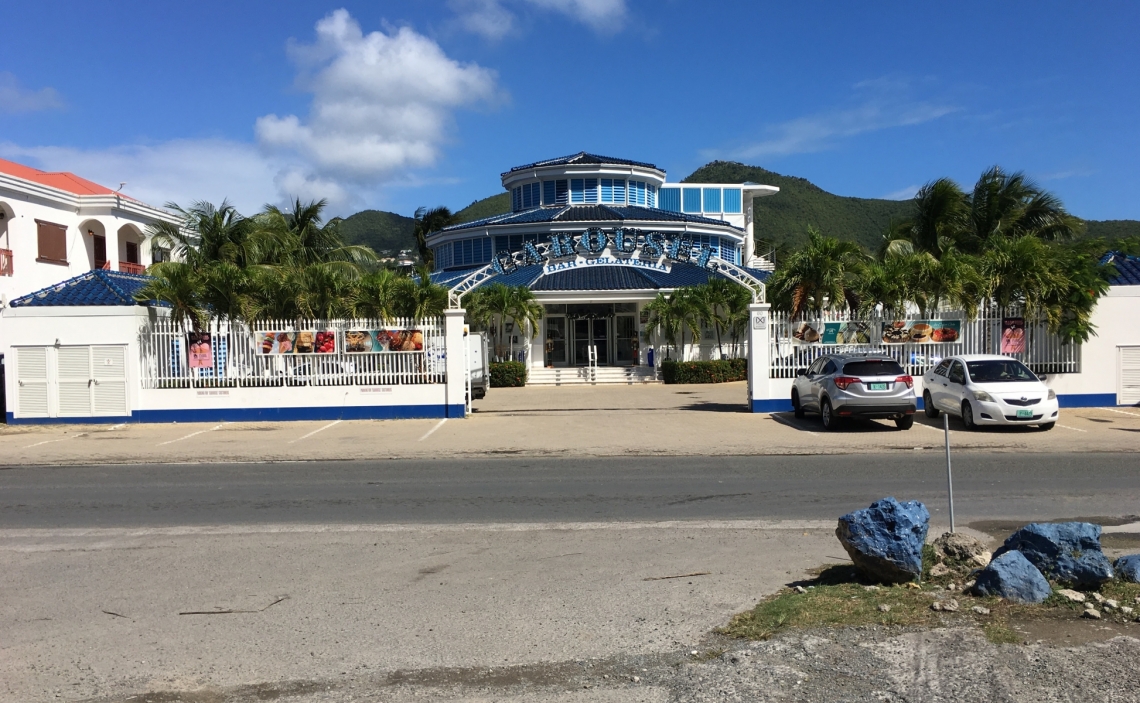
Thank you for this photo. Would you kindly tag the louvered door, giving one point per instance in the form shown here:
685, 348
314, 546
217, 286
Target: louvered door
109, 380
74, 381
32, 381
1129, 393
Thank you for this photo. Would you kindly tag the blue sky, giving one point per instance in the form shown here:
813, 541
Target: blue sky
392, 105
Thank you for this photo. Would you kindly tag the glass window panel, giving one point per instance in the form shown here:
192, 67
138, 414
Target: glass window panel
712, 199
561, 192
671, 199
619, 192
691, 200
577, 190
732, 200
591, 190
651, 195
607, 190
549, 195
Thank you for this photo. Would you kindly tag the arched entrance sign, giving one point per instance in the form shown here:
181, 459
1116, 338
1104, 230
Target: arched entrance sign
598, 247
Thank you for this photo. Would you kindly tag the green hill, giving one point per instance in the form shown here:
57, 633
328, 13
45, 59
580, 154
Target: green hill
781, 220
383, 231
494, 205
1112, 229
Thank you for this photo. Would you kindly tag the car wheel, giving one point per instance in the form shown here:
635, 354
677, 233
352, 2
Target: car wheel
905, 422
928, 405
827, 415
1047, 426
797, 409
968, 416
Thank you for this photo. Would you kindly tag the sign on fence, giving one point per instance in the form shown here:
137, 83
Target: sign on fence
922, 331
302, 342
372, 341
1012, 335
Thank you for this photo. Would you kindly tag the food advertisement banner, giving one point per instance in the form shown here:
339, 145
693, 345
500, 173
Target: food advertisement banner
833, 333
922, 331
299, 342
1013, 335
370, 341
200, 350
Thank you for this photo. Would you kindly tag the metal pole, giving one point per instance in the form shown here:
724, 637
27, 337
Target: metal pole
949, 474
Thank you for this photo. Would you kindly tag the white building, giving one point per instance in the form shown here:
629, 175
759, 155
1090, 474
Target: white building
54, 226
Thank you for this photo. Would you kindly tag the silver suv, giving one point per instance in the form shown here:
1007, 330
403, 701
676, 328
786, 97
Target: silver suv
839, 386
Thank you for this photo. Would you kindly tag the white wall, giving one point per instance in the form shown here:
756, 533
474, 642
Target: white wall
24, 327
1115, 317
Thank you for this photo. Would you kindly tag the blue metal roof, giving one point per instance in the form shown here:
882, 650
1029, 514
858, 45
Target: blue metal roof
98, 287
1127, 268
589, 213
581, 157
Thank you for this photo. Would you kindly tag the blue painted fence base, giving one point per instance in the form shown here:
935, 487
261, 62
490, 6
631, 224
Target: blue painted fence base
356, 412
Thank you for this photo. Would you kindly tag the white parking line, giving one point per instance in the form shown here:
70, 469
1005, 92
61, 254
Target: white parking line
428, 433
61, 439
1122, 412
319, 429
936, 429
192, 434
1074, 429
118, 427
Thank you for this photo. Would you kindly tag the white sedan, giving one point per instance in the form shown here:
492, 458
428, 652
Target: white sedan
988, 390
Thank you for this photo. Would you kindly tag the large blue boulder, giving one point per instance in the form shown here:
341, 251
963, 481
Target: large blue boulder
1012, 577
1128, 568
1064, 551
885, 540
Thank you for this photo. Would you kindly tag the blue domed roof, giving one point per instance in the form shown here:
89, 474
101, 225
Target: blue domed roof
581, 157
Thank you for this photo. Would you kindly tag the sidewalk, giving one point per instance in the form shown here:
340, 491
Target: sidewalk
697, 420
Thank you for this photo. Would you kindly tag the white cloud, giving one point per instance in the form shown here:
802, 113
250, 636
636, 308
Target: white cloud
493, 20
382, 103
179, 171
819, 132
902, 193
14, 98
487, 18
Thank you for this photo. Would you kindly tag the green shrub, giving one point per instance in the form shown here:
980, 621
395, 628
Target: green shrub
508, 374
719, 371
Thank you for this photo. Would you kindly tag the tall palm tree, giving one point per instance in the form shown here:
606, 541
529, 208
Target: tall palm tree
207, 233
824, 274
1011, 205
176, 285
663, 317
303, 239
941, 216
375, 295
429, 221
526, 311
418, 298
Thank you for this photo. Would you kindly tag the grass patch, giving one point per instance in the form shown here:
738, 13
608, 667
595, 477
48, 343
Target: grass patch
838, 597
999, 633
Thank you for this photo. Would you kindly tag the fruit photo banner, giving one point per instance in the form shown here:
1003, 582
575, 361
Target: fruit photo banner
373, 341
835, 333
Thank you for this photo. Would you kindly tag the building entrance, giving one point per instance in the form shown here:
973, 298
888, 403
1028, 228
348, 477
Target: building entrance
574, 332
592, 334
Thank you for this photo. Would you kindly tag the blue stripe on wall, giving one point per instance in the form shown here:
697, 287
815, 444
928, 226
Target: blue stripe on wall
352, 412
1086, 400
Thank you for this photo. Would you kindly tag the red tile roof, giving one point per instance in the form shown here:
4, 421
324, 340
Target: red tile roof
62, 180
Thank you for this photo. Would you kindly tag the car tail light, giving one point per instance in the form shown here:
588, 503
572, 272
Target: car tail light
841, 382
908, 380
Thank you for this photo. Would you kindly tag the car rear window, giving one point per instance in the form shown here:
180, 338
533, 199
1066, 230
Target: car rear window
873, 367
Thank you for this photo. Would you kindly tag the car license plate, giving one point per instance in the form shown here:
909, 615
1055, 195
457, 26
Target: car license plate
878, 386
1024, 414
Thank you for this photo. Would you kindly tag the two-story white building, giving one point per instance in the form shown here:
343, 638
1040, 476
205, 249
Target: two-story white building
54, 226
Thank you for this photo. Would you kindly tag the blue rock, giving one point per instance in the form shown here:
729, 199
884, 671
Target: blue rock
885, 540
1128, 568
1012, 577
1064, 551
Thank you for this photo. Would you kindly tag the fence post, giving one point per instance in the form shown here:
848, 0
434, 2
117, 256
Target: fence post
455, 363
759, 383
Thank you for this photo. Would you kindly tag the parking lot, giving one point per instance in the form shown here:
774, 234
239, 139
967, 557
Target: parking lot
704, 420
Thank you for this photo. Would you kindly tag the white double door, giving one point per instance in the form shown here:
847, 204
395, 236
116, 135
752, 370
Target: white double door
71, 381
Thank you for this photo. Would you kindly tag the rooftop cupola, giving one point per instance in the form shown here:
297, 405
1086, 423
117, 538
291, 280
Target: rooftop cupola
583, 179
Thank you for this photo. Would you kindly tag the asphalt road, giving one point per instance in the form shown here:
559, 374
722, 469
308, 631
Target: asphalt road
987, 486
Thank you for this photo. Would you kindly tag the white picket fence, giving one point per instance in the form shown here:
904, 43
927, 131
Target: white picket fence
239, 360
1045, 352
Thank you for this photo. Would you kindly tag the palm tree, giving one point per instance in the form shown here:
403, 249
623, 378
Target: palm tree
940, 218
737, 315
1011, 205
302, 240
418, 298
375, 295
206, 233
822, 275
429, 221
526, 311
176, 285
711, 301
662, 317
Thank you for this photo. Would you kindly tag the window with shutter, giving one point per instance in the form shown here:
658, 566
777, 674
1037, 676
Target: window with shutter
619, 192
607, 190
549, 194
732, 200
561, 192
577, 190
651, 195
691, 200
591, 190
132, 253
32, 377
671, 199
52, 242
712, 199
99, 250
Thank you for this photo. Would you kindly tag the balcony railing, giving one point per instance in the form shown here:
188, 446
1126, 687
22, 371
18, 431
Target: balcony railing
126, 267
5, 262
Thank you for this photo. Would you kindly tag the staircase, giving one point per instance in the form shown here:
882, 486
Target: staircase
587, 375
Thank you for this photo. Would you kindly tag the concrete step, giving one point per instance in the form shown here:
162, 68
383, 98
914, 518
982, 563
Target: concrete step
579, 375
